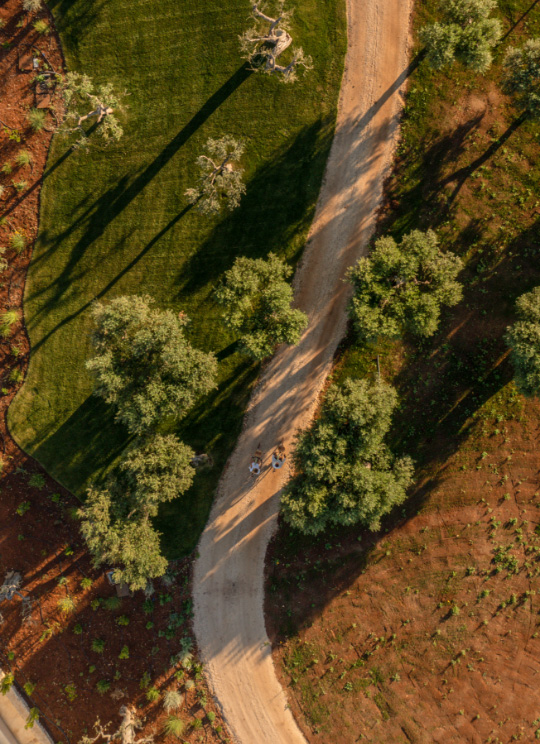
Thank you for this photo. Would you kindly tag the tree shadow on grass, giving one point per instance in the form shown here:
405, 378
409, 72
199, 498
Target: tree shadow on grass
134, 261
83, 446
278, 206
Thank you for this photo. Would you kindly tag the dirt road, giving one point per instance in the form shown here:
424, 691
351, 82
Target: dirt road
228, 576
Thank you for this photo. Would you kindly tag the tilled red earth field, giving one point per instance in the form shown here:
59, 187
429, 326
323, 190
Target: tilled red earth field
80, 653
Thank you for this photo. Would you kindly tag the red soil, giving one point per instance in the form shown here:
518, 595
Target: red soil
39, 537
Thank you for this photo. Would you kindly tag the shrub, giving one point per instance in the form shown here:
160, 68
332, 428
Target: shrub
86, 583
36, 119
7, 320
145, 681
33, 716
17, 241
256, 299
71, 692
7, 168
103, 686
29, 688
98, 645
36, 480
23, 507
345, 473
23, 158
32, 6
174, 726
19, 186
66, 605
172, 700
77, 629
42, 27
124, 653
6, 683
152, 694
16, 376
112, 603
123, 620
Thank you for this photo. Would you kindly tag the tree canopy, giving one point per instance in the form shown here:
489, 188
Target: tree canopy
256, 300
522, 76
523, 338
130, 545
268, 39
220, 180
466, 34
344, 472
115, 521
80, 93
403, 287
144, 365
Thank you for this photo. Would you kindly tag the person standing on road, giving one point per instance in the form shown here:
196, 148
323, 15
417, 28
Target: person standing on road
256, 462
278, 457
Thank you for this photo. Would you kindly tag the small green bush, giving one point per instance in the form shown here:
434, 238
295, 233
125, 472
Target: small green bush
20, 186
16, 376
152, 695
98, 645
36, 119
23, 158
103, 686
77, 629
123, 620
37, 481
71, 692
174, 726
124, 653
66, 605
42, 27
29, 688
112, 603
7, 168
86, 583
17, 241
23, 507
7, 321
172, 700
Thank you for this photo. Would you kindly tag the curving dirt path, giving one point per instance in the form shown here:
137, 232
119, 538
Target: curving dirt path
228, 575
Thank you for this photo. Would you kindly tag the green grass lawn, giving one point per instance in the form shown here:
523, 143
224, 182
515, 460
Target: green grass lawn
114, 221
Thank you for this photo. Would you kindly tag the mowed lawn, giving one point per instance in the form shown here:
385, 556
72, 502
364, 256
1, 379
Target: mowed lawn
115, 221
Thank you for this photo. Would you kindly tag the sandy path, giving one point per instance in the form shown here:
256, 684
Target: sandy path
228, 575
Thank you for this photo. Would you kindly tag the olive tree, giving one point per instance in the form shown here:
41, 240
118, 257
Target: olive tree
345, 474
116, 520
522, 76
403, 287
466, 34
220, 178
144, 364
268, 39
523, 338
83, 100
126, 733
256, 301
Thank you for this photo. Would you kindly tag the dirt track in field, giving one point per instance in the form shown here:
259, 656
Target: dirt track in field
228, 575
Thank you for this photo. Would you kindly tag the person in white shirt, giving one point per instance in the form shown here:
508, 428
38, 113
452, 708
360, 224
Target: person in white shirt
278, 457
